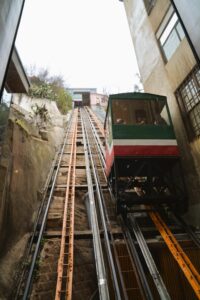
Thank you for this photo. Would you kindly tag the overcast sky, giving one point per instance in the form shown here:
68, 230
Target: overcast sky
86, 41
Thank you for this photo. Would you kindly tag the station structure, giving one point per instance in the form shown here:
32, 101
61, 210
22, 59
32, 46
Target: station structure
88, 96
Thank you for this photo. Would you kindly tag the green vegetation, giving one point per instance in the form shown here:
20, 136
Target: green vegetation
52, 88
22, 125
41, 112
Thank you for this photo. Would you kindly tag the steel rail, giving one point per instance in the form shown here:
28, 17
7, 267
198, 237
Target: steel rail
140, 270
65, 262
184, 262
138, 266
37, 247
97, 114
96, 120
194, 237
36, 224
161, 288
112, 241
178, 253
98, 252
99, 144
101, 199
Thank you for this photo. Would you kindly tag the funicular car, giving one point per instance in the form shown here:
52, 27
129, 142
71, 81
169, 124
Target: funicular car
142, 155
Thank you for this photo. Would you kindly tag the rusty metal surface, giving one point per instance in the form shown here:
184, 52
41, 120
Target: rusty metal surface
178, 253
133, 290
175, 281
65, 262
44, 286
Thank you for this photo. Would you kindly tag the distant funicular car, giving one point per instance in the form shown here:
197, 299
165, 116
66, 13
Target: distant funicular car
142, 156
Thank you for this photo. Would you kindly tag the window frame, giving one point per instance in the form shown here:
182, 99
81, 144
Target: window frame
163, 26
186, 112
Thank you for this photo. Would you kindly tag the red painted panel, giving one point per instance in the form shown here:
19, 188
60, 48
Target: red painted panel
146, 151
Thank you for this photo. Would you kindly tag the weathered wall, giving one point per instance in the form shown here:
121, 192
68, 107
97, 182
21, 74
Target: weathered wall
164, 79
55, 127
27, 158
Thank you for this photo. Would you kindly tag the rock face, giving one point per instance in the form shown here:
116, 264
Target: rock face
26, 159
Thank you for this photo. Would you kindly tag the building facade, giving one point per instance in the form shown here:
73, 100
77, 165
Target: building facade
98, 99
88, 96
168, 66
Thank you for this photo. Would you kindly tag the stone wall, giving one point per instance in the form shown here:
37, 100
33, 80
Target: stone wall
24, 166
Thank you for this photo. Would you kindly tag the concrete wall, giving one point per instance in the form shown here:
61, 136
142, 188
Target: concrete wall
10, 11
160, 78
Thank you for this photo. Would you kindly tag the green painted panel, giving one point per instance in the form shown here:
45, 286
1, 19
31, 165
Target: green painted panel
141, 96
143, 132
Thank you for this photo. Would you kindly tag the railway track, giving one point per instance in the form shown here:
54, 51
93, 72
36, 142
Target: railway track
185, 263
130, 281
80, 248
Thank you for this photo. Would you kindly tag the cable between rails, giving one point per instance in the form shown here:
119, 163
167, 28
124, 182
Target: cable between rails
98, 252
102, 213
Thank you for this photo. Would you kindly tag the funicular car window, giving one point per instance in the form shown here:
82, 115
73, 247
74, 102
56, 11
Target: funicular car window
139, 112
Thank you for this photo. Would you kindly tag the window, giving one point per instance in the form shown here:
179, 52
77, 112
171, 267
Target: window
137, 112
188, 96
140, 116
170, 34
149, 4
